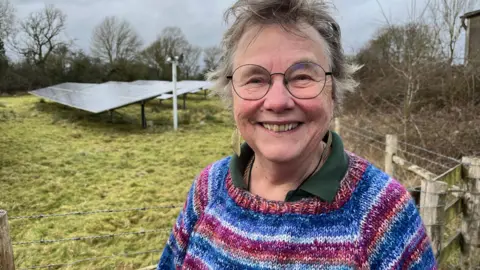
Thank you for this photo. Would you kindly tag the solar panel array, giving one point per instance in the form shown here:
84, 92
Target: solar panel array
184, 87
107, 96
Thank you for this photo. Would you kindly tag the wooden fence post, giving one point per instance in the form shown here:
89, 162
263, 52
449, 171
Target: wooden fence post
432, 210
390, 150
471, 215
337, 126
6, 250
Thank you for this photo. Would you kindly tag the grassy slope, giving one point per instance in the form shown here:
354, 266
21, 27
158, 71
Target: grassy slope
54, 159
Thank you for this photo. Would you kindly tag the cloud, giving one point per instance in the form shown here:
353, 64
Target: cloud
202, 21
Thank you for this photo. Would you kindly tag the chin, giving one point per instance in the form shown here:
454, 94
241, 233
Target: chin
278, 153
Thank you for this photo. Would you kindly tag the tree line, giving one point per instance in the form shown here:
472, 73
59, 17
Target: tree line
117, 53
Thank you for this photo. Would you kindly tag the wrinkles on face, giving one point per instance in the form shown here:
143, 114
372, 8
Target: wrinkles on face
276, 50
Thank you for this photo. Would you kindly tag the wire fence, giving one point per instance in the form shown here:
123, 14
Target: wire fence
424, 159
355, 128
360, 132
89, 237
365, 136
91, 212
49, 266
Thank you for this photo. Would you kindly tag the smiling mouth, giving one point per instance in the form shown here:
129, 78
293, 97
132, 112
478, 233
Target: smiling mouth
280, 128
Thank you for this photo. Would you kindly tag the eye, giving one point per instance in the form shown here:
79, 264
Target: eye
256, 80
302, 77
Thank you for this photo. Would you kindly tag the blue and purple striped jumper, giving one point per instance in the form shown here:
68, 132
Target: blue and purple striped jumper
371, 224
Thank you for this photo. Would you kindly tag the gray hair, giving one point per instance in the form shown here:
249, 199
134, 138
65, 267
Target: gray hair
288, 13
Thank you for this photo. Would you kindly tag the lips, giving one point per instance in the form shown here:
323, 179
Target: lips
280, 127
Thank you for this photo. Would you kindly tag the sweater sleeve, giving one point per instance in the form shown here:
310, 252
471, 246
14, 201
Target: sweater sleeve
176, 247
395, 237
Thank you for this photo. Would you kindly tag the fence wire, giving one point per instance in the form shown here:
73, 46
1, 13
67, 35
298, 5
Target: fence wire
89, 237
431, 152
425, 159
91, 259
91, 212
366, 130
408, 144
403, 151
371, 145
376, 147
364, 136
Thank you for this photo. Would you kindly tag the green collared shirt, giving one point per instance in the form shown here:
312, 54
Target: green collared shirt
323, 184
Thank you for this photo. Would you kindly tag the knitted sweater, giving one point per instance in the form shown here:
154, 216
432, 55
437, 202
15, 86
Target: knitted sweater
371, 224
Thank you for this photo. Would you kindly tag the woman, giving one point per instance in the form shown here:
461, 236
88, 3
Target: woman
292, 198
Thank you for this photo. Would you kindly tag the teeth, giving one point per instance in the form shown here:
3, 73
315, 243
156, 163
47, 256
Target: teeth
280, 128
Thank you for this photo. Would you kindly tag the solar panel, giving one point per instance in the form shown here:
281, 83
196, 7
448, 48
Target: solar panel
187, 86
150, 82
74, 86
99, 97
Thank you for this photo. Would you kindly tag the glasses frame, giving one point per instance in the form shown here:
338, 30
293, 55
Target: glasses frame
285, 82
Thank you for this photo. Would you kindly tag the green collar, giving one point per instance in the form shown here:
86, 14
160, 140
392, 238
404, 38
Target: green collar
323, 184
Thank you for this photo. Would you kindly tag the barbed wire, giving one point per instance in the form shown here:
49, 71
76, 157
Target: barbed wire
91, 212
376, 147
366, 130
425, 159
403, 151
89, 237
431, 152
371, 145
92, 259
363, 135
409, 144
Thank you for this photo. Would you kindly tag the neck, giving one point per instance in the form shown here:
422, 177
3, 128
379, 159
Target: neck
276, 179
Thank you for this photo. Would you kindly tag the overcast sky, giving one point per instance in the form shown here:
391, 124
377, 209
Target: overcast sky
201, 20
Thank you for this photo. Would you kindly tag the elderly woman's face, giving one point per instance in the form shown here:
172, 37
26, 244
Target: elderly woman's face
279, 126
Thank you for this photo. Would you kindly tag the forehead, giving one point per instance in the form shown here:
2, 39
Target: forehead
277, 47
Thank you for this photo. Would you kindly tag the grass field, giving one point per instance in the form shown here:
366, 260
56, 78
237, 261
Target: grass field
55, 159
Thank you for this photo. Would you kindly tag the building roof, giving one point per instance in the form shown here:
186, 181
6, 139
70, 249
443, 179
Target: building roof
471, 14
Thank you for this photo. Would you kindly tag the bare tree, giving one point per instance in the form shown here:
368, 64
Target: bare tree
7, 17
413, 55
446, 18
114, 39
211, 57
189, 66
40, 34
171, 42
154, 58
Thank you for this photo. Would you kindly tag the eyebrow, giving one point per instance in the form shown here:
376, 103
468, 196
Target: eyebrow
255, 70
305, 59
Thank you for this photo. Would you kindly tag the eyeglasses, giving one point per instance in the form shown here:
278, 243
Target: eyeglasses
304, 80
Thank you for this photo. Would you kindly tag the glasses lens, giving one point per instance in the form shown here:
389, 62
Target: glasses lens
305, 80
251, 81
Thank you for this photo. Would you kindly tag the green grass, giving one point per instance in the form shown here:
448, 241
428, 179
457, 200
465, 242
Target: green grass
55, 159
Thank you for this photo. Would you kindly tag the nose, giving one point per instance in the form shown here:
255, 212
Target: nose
278, 98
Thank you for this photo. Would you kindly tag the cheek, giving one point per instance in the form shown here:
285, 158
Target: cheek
243, 111
319, 110
245, 108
